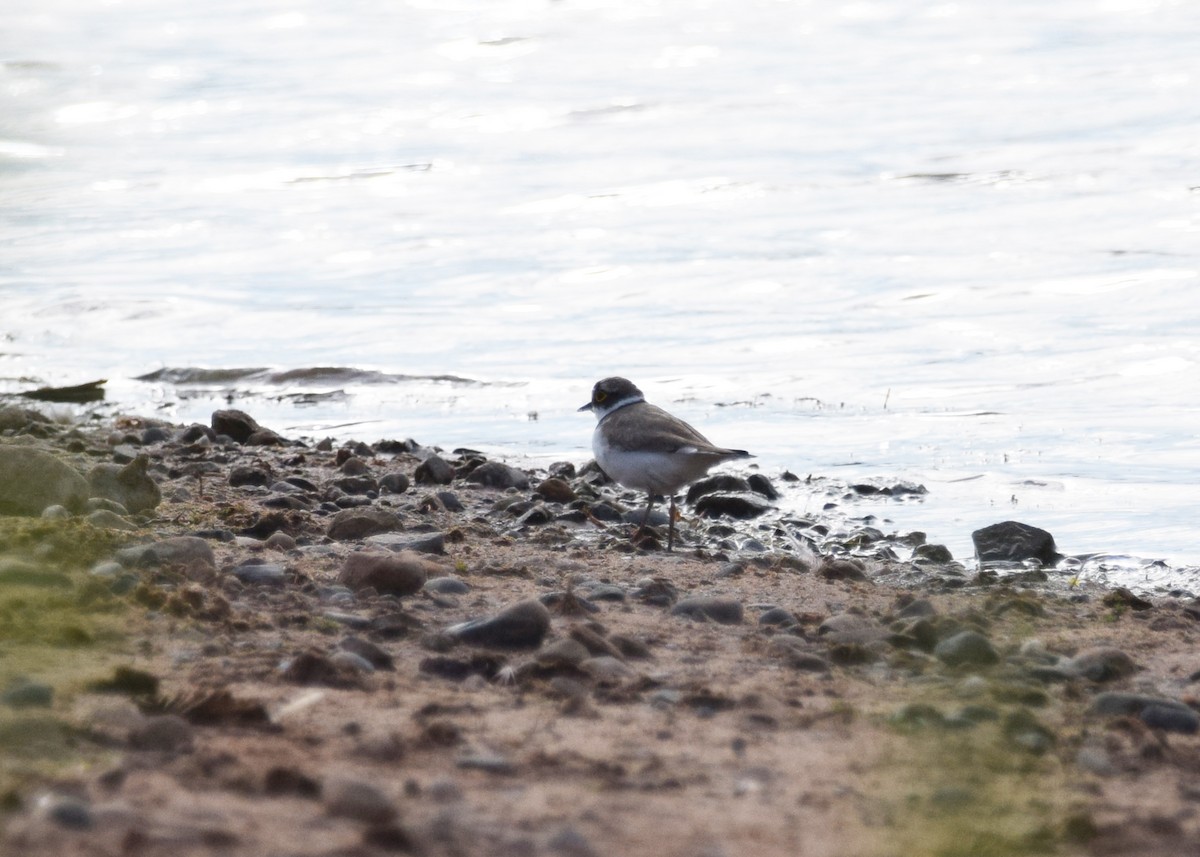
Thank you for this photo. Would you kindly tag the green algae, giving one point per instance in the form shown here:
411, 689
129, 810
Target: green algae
62, 627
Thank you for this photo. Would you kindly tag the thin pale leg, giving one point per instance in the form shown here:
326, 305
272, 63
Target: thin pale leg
646, 517
671, 526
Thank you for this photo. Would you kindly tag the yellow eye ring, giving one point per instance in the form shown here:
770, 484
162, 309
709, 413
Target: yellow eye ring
600, 396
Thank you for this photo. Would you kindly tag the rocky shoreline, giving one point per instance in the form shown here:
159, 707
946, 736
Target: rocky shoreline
217, 640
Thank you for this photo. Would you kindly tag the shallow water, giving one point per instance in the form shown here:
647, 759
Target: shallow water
954, 243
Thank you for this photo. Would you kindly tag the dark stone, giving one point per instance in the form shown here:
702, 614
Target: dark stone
362, 522
387, 573
177, 550
720, 482
933, 553
1100, 664
234, 424
259, 573
777, 616
556, 490
1122, 597
760, 484
966, 647
450, 501
394, 483
242, 475
434, 470
354, 466
851, 628
842, 569
742, 506
1118, 704
1170, 719
24, 693
494, 474
311, 667
357, 484
536, 516
166, 733
1012, 541
917, 609
367, 650
359, 801
725, 611
521, 625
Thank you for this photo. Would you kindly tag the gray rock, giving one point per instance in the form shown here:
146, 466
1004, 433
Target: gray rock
1171, 719
851, 629
725, 611
1012, 541
569, 842
26, 693
431, 543
130, 485
393, 574
450, 501
257, 573
255, 476
1101, 663
359, 801
106, 520
556, 490
31, 480
725, 482
394, 483
373, 654
166, 733
362, 522
918, 609
236, 424
743, 506
447, 586
13, 418
351, 662
493, 474
56, 513
95, 504
434, 471
606, 669
66, 811
280, 541
521, 625
177, 550
966, 647
1118, 704
566, 652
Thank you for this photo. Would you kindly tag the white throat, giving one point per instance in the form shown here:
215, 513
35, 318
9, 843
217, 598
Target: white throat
607, 408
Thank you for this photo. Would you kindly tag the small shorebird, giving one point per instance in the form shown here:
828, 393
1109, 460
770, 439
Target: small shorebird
643, 447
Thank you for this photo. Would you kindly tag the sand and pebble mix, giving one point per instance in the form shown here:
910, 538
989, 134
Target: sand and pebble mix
218, 640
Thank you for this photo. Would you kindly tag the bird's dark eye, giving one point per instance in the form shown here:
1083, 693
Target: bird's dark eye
600, 396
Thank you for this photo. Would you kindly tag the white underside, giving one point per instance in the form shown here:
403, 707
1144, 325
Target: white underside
652, 472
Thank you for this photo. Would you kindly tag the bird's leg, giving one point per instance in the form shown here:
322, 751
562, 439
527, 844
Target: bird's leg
671, 525
646, 517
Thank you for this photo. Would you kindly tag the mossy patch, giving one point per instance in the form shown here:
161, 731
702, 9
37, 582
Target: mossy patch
60, 626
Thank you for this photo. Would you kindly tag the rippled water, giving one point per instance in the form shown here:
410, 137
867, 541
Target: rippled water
955, 243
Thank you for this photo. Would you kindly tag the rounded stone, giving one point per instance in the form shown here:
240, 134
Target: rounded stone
521, 625
359, 801
966, 647
401, 573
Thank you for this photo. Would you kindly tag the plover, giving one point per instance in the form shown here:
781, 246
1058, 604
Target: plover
643, 447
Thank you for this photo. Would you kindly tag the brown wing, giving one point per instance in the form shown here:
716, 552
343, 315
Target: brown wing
670, 434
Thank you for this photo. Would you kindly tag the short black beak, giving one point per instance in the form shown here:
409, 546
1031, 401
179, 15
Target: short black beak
586, 407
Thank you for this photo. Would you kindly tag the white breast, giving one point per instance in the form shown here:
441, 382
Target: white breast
652, 472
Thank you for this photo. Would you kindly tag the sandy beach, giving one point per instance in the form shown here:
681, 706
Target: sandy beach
225, 641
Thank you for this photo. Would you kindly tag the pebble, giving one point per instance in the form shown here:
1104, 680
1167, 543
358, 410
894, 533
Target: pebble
434, 471
724, 611
491, 763
430, 543
566, 652
177, 550
760, 484
1101, 664
447, 586
388, 573
355, 466
394, 483
56, 513
450, 501
741, 506
26, 693
166, 733
359, 801
966, 647
495, 474
106, 520
31, 480
557, 490
1170, 718
851, 628
606, 669
66, 811
373, 654
361, 522
791, 650
260, 573
718, 482
521, 625
280, 541
346, 661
